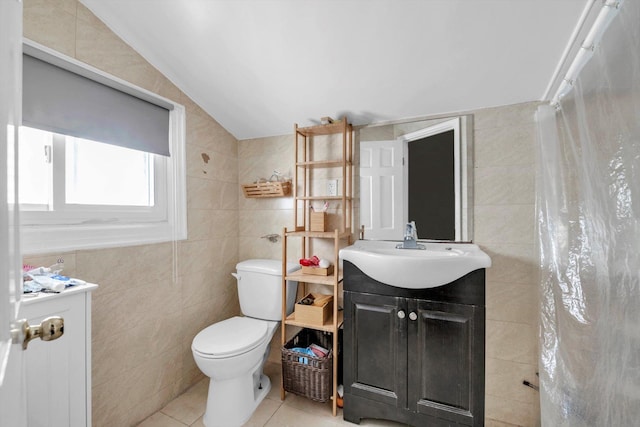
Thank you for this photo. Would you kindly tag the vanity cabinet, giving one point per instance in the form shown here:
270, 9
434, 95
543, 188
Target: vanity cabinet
414, 355
58, 373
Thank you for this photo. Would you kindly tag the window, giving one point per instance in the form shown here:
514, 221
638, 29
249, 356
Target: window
102, 174
62, 174
90, 179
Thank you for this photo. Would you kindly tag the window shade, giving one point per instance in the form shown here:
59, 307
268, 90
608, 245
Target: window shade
62, 101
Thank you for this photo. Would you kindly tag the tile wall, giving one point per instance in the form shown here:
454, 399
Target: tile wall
504, 226
152, 299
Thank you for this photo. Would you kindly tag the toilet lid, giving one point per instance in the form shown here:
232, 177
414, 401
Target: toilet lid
230, 337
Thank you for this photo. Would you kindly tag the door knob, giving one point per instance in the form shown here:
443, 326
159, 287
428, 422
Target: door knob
49, 329
413, 315
401, 314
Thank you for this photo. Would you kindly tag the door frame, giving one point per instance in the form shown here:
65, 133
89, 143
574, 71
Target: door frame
12, 370
459, 165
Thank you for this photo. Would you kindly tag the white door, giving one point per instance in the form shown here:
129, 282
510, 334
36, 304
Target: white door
382, 190
12, 372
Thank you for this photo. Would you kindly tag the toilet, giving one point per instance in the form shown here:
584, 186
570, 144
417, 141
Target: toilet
232, 352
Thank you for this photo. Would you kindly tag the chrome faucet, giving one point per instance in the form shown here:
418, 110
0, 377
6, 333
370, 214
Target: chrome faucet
410, 240
411, 233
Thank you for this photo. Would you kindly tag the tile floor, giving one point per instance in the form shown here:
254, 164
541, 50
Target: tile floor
295, 411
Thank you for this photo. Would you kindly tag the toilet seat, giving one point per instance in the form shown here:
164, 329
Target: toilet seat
230, 337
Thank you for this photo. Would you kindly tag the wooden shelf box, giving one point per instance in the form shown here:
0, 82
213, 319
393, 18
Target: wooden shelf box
318, 271
318, 221
316, 313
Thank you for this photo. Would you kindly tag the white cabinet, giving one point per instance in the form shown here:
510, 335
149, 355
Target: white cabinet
58, 373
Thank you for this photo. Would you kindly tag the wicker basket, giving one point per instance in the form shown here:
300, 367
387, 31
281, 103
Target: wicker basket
307, 376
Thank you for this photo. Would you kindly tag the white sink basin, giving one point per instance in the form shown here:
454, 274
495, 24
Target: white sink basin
438, 264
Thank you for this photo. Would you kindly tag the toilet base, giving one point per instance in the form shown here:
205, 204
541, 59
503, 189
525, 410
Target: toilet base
231, 403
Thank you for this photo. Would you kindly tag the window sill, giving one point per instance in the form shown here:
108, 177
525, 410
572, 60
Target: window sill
47, 239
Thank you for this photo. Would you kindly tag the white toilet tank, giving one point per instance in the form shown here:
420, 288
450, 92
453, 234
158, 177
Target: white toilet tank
260, 288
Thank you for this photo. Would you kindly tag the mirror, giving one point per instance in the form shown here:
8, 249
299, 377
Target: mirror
417, 171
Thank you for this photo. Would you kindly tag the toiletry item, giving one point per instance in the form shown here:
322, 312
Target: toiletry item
305, 351
318, 351
31, 287
310, 262
308, 300
49, 283
40, 271
47, 279
313, 350
324, 263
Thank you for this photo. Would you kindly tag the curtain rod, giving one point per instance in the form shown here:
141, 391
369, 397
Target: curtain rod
607, 12
579, 28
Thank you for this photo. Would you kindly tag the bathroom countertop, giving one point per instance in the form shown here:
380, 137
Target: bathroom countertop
34, 297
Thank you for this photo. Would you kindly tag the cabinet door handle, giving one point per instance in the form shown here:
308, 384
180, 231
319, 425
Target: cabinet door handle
413, 315
401, 314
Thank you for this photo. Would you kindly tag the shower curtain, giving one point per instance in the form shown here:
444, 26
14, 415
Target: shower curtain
588, 218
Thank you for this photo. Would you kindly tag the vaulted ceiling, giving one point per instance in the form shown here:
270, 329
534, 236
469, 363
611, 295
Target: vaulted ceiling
258, 66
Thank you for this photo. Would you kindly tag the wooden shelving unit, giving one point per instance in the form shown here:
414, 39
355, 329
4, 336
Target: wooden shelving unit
305, 148
302, 181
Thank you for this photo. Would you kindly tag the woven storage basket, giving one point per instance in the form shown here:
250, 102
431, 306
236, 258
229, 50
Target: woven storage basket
307, 376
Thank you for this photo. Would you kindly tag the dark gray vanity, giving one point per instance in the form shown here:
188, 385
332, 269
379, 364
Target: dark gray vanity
414, 356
